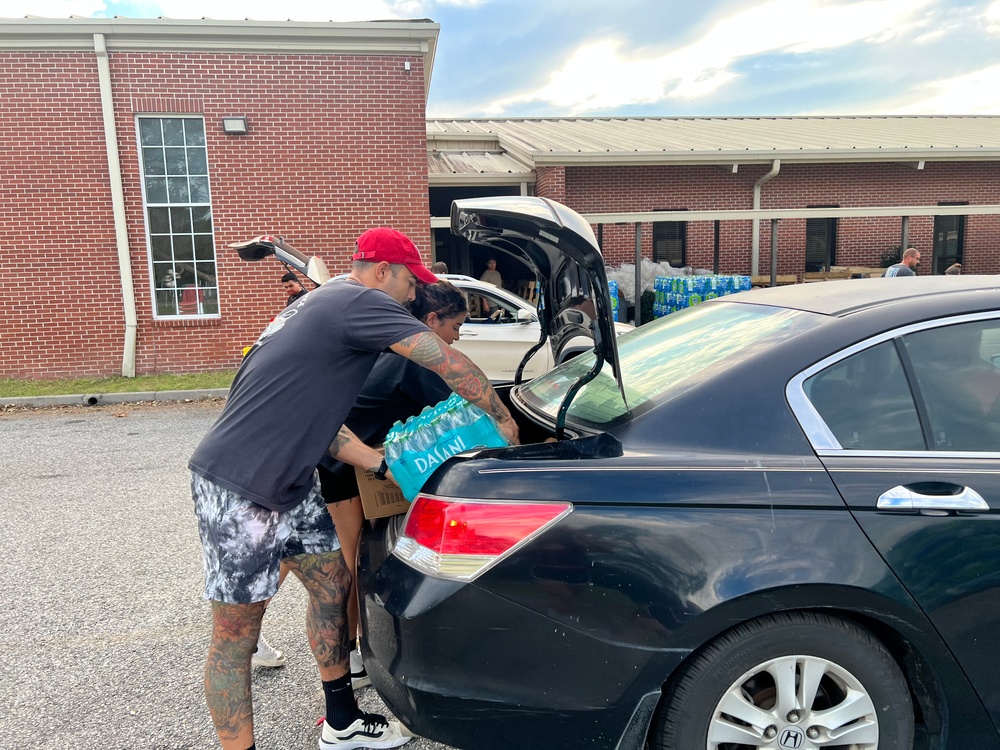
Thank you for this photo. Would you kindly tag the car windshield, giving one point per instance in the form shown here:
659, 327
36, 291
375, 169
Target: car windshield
664, 359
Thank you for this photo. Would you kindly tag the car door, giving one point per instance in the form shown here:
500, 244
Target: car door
498, 342
909, 429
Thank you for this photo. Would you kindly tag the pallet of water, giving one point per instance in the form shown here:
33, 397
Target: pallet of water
414, 449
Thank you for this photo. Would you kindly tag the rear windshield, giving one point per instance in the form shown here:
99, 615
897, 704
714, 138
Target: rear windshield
664, 359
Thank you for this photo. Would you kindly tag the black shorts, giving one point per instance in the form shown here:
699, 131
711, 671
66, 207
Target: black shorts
338, 484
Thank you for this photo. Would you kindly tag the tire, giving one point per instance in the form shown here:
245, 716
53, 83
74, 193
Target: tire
729, 699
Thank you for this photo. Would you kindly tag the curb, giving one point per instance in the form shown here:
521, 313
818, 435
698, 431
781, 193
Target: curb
96, 399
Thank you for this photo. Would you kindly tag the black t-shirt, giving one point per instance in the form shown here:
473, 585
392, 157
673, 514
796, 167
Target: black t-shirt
396, 390
301, 293
295, 389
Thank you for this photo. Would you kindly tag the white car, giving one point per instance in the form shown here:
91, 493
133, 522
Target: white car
499, 342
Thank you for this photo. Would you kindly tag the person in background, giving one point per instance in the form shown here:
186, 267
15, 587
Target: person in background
909, 261
291, 284
491, 274
396, 389
257, 495
955, 269
439, 267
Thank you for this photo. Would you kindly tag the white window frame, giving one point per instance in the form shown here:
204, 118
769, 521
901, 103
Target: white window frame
180, 269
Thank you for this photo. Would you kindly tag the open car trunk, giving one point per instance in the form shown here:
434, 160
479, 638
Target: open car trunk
559, 246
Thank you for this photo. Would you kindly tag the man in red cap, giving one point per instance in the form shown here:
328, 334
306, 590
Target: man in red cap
255, 489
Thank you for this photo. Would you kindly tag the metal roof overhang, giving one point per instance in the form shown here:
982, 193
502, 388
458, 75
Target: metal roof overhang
763, 214
482, 178
791, 213
794, 156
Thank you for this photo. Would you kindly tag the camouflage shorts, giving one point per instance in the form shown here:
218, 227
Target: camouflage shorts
243, 543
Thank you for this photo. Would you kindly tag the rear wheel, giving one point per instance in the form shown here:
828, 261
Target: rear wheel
791, 681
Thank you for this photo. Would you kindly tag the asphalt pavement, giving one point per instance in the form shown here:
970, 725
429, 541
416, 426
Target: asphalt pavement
103, 631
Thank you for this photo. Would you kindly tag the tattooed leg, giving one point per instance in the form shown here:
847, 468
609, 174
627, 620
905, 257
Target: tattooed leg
328, 583
227, 671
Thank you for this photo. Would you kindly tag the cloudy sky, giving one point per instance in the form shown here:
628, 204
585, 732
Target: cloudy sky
532, 58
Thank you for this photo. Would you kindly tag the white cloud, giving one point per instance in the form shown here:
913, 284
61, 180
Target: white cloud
260, 10
281, 10
972, 93
50, 8
993, 17
599, 74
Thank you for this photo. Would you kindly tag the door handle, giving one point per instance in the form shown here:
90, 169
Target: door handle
904, 498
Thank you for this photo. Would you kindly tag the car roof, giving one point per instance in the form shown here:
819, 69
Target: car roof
848, 296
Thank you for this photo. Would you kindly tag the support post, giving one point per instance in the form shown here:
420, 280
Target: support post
715, 253
638, 274
774, 252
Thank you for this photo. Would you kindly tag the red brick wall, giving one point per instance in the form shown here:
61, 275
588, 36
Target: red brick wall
551, 183
59, 289
336, 145
859, 241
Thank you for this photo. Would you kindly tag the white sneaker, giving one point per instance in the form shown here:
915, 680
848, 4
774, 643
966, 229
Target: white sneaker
359, 675
267, 655
368, 730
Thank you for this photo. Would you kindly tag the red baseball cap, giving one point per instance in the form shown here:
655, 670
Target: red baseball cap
392, 246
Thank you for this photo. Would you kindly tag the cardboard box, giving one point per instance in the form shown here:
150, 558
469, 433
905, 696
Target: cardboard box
379, 498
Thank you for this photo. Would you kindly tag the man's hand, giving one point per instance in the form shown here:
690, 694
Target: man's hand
510, 430
461, 374
348, 448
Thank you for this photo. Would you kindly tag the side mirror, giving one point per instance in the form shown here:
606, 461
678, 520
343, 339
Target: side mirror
524, 316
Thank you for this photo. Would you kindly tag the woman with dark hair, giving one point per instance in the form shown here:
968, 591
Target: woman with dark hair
395, 390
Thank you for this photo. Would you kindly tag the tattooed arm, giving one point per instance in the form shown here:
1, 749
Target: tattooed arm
461, 375
347, 447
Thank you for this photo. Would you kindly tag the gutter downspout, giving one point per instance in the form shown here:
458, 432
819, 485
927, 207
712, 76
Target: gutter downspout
117, 207
755, 257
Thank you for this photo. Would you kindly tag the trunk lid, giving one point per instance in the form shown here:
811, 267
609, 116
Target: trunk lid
559, 246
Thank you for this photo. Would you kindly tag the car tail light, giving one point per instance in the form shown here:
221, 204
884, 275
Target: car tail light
461, 539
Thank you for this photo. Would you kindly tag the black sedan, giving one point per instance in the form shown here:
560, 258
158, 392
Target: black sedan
769, 521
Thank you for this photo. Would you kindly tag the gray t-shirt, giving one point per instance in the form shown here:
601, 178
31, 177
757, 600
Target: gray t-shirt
294, 390
898, 269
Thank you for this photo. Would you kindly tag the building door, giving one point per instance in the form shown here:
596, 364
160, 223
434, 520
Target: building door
821, 243
949, 237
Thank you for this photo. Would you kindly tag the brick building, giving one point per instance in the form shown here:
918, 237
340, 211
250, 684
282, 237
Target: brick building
136, 151
122, 190
843, 190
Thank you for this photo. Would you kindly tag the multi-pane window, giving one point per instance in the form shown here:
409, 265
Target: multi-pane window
670, 242
179, 215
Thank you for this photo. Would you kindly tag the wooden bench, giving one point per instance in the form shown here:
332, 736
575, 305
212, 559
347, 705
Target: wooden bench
833, 273
781, 279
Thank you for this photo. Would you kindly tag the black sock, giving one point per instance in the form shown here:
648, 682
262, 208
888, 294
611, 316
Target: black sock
341, 708
353, 645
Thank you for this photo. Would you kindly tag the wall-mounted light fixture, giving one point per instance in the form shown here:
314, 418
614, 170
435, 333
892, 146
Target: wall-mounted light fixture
234, 125
406, 66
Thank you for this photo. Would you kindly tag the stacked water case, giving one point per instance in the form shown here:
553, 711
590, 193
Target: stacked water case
418, 446
674, 293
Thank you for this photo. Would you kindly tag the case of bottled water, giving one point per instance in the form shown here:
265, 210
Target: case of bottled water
414, 449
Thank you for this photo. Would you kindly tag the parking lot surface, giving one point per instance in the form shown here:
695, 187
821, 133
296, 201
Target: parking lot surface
103, 632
